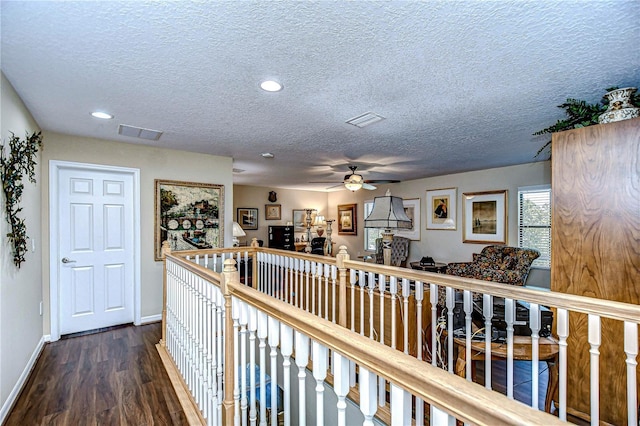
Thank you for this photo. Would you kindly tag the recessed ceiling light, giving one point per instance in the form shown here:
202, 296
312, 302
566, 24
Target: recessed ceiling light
267, 155
271, 86
103, 115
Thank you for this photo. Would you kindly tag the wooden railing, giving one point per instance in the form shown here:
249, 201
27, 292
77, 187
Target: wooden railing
361, 319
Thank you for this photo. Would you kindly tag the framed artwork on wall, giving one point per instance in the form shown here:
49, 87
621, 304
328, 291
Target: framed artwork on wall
347, 219
485, 217
247, 218
412, 210
272, 211
441, 209
189, 215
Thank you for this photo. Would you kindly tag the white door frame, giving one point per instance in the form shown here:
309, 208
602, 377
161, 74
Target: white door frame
54, 232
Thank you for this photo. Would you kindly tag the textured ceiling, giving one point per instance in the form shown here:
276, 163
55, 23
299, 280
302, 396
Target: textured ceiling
462, 85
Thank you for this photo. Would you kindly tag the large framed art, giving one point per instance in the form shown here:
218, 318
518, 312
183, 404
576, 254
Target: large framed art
247, 218
441, 209
189, 215
485, 217
412, 210
347, 219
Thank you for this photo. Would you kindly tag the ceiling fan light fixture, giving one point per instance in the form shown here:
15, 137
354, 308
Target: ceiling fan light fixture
353, 186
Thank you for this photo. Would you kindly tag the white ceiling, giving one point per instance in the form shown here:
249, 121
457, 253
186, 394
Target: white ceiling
462, 84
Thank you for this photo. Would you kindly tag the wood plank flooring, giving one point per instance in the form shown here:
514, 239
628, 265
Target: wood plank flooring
114, 377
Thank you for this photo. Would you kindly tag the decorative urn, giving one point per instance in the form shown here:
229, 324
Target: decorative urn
620, 107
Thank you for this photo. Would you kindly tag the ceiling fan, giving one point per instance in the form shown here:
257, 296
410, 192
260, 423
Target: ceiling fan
355, 181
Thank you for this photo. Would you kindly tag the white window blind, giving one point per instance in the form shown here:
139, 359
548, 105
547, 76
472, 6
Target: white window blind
534, 221
370, 234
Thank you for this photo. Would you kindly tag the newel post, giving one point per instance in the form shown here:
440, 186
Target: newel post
229, 274
342, 285
166, 249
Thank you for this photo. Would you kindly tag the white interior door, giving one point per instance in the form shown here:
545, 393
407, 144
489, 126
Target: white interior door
96, 256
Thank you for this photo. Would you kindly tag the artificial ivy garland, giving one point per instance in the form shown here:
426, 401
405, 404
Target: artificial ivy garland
21, 161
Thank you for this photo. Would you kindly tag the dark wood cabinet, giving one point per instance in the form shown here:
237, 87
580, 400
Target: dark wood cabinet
281, 237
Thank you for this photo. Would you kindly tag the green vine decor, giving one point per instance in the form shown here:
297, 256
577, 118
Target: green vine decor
21, 161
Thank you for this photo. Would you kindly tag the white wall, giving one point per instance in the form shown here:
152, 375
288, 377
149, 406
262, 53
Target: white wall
447, 246
20, 289
154, 163
245, 196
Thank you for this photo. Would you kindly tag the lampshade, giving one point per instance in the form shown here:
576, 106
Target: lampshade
388, 213
237, 232
319, 221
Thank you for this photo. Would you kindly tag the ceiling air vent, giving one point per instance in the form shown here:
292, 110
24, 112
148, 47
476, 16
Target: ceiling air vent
139, 132
365, 119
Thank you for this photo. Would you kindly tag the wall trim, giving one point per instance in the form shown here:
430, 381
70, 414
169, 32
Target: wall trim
150, 318
22, 380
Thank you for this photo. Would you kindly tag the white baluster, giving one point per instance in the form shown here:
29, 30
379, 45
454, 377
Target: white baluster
263, 330
405, 310
244, 321
509, 316
400, 406
307, 266
352, 305
326, 291
439, 417
450, 305
467, 305
220, 339
594, 341
534, 324
341, 379
368, 392
334, 275
562, 329
487, 311
235, 309
382, 284
274, 341
286, 349
362, 282
302, 359
419, 295
631, 349
316, 287
433, 298
319, 373
372, 284
253, 326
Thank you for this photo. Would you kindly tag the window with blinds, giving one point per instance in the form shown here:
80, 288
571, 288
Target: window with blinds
534, 221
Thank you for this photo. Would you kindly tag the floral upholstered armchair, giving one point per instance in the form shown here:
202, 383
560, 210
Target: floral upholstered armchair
503, 264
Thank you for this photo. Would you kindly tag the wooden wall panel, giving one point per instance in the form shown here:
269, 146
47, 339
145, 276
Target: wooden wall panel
596, 247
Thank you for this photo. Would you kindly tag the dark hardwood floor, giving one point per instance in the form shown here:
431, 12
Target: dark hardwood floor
113, 377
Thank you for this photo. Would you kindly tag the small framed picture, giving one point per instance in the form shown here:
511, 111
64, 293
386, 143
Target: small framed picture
441, 209
347, 219
272, 211
485, 217
247, 218
412, 210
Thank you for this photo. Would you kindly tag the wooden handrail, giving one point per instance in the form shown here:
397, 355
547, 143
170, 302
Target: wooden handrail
466, 401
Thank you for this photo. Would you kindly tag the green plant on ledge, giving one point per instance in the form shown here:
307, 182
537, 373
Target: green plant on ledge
21, 161
579, 114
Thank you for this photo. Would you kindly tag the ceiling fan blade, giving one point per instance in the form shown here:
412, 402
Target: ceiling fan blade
381, 181
368, 186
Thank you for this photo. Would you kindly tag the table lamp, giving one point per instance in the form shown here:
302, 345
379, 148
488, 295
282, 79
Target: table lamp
319, 222
387, 213
237, 232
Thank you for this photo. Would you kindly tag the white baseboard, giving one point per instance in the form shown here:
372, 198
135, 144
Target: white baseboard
15, 392
150, 319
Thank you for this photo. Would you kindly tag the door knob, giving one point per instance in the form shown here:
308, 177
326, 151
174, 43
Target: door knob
67, 260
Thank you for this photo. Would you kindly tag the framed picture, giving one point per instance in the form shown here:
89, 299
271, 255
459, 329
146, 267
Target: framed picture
189, 215
485, 217
412, 210
441, 209
247, 218
272, 211
300, 219
347, 219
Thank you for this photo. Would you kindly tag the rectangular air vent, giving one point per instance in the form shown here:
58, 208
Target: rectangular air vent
365, 119
139, 132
